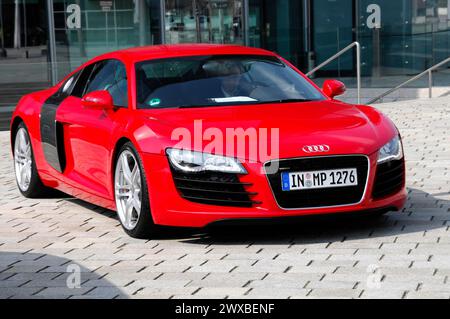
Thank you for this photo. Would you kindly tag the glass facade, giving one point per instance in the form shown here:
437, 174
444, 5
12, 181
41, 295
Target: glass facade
210, 21
413, 35
86, 28
277, 26
43, 40
24, 56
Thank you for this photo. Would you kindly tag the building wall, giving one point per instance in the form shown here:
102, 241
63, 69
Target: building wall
399, 38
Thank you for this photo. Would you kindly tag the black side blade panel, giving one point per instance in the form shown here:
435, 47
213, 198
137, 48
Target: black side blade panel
49, 133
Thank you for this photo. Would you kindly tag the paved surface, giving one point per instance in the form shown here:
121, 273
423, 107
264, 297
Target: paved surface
47, 246
404, 94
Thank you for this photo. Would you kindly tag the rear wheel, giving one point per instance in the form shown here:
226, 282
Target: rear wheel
27, 177
131, 194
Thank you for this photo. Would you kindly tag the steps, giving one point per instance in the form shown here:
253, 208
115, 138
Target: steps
404, 94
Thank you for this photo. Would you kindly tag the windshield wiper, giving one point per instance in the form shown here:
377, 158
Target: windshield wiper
246, 103
195, 106
293, 100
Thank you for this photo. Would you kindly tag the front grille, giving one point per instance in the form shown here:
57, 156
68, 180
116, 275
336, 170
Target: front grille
325, 197
389, 178
213, 188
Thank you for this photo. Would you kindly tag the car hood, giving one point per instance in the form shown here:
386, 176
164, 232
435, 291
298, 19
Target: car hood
345, 128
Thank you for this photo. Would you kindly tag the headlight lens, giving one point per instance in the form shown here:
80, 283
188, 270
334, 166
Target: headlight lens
194, 162
391, 151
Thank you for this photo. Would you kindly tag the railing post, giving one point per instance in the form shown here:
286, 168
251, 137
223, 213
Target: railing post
430, 81
358, 70
52, 41
430, 84
358, 65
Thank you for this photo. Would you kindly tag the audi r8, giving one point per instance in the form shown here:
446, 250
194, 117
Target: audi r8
189, 135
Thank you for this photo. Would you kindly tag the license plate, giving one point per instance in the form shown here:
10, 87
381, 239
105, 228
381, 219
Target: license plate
319, 179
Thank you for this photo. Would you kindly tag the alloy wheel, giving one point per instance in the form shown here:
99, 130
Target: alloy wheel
127, 187
22, 159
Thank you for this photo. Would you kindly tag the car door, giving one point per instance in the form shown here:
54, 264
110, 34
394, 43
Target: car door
88, 132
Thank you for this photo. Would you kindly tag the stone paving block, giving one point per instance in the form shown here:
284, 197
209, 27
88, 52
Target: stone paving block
331, 284
382, 294
273, 268
129, 276
99, 293
150, 291
19, 292
226, 266
105, 283
335, 293
185, 276
61, 292
279, 283
11, 283
428, 295
227, 280
317, 269
278, 293
221, 292
166, 284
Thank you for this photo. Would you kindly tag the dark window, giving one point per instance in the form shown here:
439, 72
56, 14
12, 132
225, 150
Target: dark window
67, 87
80, 86
111, 76
119, 89
107, 75
102, 77
220, 80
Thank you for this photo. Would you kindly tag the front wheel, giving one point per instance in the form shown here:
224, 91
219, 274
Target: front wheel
131, 194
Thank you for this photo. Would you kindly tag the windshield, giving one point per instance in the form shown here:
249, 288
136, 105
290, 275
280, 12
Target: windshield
219, 80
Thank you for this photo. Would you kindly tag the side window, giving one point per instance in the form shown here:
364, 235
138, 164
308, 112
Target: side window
119, 89
102, 77
111, 76
67, 87
79, 88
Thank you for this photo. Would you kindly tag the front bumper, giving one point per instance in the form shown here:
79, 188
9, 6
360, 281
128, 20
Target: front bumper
170, 209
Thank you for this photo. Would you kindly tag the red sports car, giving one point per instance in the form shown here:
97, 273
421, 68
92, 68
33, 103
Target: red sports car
188, 135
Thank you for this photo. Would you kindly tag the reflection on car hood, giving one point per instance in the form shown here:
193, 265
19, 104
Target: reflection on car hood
345, 128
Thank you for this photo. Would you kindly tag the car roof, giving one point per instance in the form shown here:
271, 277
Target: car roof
174, 50
137, 54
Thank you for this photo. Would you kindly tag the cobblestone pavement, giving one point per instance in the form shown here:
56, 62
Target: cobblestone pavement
44, 243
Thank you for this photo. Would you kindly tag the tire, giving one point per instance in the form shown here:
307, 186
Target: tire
27, 177
382, 213
135, 217
379, 214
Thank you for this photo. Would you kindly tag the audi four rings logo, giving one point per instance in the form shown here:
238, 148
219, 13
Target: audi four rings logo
323, 148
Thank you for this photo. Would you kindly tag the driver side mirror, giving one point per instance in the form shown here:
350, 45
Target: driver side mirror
333, 88
98, 100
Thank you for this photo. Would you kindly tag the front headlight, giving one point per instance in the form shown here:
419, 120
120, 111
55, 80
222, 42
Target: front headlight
194, 162
391, 151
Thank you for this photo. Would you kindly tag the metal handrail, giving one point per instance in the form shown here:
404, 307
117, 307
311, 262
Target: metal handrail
337, 55
428, 71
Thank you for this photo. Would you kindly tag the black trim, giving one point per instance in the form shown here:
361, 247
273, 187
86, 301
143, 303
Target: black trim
52, 138
60, 146
389, 178
82, 80
318, 198
213, 188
